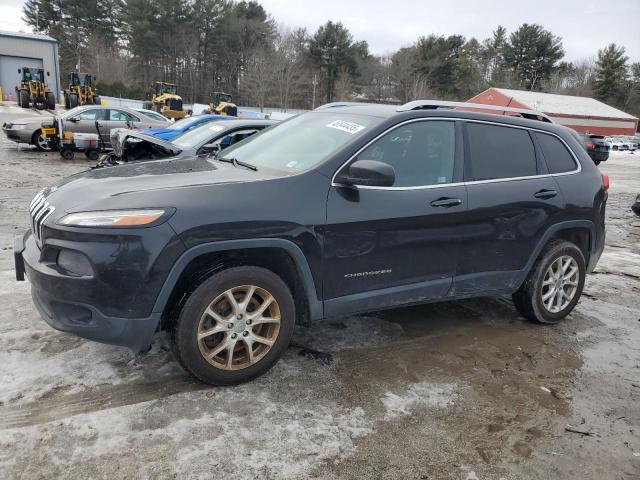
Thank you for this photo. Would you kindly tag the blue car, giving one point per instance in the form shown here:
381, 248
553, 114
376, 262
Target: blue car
183, 126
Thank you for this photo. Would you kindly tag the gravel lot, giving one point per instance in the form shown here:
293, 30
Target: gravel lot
458, 390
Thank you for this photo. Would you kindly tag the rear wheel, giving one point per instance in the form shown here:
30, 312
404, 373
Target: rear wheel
40, 141
554, 285
23, 99
73, 100
235, 326
51, 101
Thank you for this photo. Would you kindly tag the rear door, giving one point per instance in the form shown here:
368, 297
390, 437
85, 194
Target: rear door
389, 246
512, 202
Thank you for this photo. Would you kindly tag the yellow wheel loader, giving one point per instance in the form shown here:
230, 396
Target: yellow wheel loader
166, 101
223, 105
80, 91
33, 90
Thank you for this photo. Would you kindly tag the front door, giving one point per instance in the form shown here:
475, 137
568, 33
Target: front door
388, 246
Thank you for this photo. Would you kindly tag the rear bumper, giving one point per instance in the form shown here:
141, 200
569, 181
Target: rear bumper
599, 156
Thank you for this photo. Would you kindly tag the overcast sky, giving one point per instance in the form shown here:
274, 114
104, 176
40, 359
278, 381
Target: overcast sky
585, 26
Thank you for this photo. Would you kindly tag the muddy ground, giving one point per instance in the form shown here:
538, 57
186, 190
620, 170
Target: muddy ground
458, 390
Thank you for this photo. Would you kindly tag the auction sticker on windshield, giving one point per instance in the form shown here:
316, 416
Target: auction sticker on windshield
348, 127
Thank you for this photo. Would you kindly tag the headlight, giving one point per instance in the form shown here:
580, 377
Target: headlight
16, 127
113, 218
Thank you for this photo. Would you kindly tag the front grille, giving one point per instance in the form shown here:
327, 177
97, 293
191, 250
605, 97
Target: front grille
39, 210
175, 104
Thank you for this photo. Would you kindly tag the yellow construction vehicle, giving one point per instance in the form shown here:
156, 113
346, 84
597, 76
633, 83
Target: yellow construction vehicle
166, 101
80, 91
33, 90
223, 104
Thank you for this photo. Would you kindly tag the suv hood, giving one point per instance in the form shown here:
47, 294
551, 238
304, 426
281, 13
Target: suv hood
144, 184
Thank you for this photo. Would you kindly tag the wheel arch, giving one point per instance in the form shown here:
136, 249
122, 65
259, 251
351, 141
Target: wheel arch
283, 257
580, 232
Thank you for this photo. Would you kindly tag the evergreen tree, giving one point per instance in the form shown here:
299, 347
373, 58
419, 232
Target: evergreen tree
611, 75
532, 53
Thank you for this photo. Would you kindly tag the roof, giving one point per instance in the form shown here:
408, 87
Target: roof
551, 103
29, 36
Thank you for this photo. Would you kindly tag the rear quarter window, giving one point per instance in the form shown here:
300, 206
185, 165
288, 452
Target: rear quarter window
498, 152
556, 155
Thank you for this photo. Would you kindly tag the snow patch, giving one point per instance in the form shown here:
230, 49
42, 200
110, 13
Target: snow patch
422, 394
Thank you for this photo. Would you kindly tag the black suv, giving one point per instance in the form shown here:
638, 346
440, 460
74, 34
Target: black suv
595, 146
346, 209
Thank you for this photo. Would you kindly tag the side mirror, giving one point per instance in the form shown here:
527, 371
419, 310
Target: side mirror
210, 148
370, 173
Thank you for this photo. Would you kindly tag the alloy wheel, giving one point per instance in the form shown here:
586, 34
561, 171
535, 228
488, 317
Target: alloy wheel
239, 327
560, 284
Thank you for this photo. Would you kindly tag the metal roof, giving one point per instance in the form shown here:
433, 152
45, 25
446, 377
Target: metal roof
30, 36
551, 104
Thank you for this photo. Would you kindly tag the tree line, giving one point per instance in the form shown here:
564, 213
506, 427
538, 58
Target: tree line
237, 47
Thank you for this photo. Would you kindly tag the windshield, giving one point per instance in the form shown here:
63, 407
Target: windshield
302, 142
72, 112
197, 135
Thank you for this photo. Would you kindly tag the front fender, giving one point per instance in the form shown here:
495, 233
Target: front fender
315, 304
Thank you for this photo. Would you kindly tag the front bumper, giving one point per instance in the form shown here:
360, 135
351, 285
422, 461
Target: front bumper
54, 296
20, 136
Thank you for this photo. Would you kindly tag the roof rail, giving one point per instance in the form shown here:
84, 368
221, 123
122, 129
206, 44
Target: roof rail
342, 104
437, 104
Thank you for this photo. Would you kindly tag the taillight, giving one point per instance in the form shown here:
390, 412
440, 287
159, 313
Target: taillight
605, 181
591, 146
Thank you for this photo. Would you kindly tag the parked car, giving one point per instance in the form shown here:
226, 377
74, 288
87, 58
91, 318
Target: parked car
78, 120
138, 145
614, 143
184, 125
155, 115
632, 142
342, 210
624, 144
595, 146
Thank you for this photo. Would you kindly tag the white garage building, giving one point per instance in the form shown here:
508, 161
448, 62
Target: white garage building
19, 50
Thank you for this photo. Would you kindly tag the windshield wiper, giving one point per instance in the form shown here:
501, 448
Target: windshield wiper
235, 162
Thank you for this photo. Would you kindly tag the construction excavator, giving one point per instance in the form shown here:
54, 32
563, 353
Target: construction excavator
80, 91
33, 91
166, 101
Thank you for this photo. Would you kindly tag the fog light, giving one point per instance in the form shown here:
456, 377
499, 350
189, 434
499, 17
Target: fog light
74, 263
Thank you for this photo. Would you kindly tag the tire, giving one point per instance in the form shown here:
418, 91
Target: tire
190, 351
96, 100
67, 154
40, 142
597, 162
66, 101
51, 101
529, 300
23, 99
73, 100
92, 155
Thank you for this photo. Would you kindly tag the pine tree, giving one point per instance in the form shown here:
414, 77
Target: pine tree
611, 75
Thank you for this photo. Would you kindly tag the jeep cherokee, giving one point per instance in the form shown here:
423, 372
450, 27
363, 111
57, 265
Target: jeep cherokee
345, 209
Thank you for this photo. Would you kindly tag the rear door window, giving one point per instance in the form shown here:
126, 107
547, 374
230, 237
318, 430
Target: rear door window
497, 151
556, 155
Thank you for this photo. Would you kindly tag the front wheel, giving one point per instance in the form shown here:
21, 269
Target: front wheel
235, 326
554, 285
41, 142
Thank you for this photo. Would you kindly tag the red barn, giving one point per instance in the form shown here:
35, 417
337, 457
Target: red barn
580, 113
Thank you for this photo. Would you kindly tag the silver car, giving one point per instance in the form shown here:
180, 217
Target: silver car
82, 120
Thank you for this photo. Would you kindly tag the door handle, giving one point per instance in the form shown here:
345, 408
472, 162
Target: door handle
545, 194
446, 202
